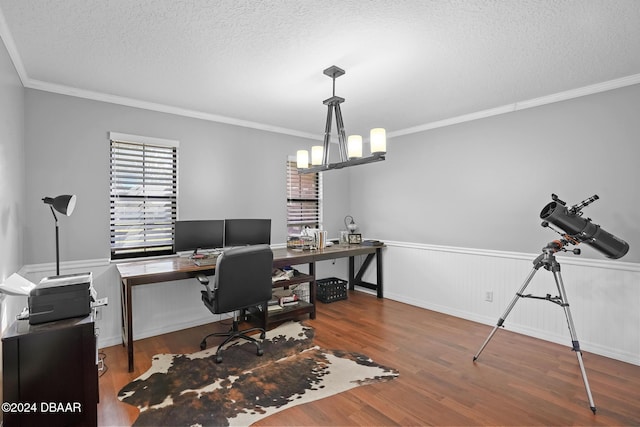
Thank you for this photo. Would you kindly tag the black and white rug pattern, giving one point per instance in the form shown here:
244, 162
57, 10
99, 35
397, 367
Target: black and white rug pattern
192, 390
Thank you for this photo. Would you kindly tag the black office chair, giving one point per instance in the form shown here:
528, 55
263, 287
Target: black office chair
242, 280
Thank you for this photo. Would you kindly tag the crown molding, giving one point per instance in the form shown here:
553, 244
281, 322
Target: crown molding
522, 105
136, 103
162, 108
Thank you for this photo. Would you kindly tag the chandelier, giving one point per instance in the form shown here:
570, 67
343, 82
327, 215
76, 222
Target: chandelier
350, 149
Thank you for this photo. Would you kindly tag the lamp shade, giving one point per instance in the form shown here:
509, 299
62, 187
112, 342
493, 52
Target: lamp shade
316, 155
354, 146
302, 159
64, 204
378, 140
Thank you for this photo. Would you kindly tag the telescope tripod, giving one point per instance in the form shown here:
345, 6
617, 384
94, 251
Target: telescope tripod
548, 260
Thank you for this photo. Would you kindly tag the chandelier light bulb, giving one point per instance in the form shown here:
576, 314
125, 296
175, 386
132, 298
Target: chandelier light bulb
316, 155
354, 146
378, 140
302, 159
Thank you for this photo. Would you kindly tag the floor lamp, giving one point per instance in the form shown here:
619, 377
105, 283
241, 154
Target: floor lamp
64, 204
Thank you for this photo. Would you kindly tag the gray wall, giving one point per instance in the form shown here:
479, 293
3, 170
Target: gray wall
482, 184
224, 171
12, 174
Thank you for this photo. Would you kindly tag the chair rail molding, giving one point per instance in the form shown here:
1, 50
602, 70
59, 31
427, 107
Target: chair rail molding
447, 279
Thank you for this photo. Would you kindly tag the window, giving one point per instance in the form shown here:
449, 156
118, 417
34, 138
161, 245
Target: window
143, 181
304, 199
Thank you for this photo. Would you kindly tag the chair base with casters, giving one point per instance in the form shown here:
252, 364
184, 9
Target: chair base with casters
233, 334
242, 280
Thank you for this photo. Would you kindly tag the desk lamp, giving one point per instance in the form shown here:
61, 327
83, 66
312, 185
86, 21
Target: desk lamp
64, 204
351, 225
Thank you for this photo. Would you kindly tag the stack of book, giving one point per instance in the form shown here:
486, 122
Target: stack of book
282, 298
273, 305
280, 275
205, 259
288, 300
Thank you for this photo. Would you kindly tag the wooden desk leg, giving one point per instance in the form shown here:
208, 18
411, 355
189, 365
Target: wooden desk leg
127, 322
312, 289
379, 272
352, 282
356, 279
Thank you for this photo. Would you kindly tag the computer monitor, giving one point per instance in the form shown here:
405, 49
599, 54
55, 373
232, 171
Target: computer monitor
243, 232
199, 234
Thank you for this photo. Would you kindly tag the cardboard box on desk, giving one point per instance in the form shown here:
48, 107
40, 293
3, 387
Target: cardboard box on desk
60, 297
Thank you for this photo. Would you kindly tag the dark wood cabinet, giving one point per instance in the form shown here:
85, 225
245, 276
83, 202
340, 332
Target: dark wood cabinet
50, 374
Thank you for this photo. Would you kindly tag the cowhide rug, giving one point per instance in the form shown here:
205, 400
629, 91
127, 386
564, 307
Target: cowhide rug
192, 390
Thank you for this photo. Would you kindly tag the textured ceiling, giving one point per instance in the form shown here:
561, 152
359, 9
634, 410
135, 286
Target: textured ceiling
408, 63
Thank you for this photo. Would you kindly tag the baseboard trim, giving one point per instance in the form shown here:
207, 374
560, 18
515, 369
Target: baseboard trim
166, 329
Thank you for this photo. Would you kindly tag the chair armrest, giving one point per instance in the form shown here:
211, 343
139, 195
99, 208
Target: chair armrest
204, 281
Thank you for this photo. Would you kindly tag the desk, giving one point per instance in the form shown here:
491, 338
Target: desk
144, 272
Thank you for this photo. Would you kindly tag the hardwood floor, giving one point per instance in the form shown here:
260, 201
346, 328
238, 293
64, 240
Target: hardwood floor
517, 380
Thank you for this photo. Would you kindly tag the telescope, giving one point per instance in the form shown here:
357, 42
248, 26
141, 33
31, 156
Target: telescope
575, 230
581, 230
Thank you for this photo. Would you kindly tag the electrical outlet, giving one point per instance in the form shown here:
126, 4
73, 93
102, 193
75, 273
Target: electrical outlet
488, 296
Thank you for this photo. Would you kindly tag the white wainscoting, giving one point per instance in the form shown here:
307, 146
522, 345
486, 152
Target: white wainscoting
158, 308
604, 295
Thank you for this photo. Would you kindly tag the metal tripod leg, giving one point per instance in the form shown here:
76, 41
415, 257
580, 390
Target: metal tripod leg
572, 331
548, 260
508, 310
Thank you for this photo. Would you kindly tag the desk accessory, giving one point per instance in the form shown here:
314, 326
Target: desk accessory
16, 285
331, 289
350, 224
206, 259
61, 297
320, 237
64, 204
355, 238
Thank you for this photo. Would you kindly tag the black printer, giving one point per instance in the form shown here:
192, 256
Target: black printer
61, 297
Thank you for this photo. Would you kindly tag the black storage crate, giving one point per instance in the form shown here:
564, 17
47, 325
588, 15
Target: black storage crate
331, 289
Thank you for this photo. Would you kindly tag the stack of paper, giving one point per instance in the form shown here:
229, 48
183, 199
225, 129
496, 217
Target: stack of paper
16, 285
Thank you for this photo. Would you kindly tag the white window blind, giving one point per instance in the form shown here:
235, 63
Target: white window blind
304, 199
143, 198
